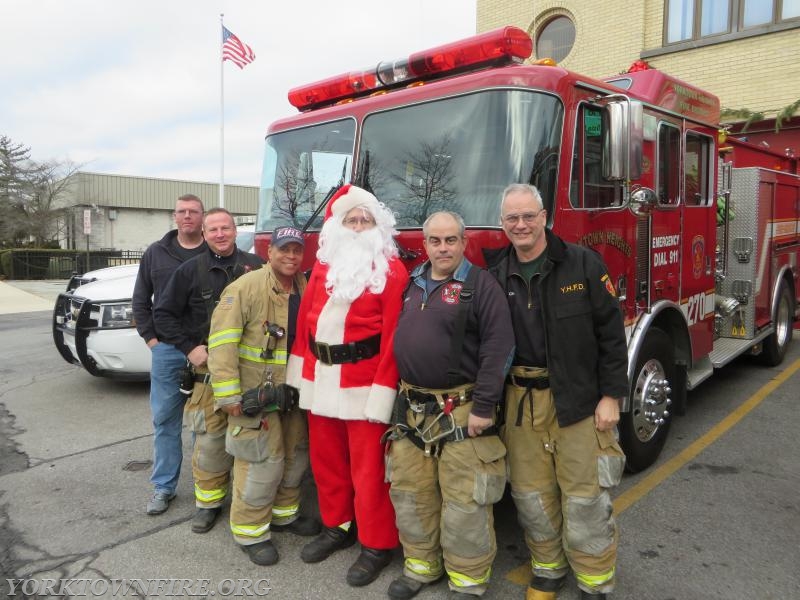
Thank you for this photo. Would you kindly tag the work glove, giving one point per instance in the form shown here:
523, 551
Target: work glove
285, 396
254, 401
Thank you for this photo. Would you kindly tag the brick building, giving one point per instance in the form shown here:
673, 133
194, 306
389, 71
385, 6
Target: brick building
744, 51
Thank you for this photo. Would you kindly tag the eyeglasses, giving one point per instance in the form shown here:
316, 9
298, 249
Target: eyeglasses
187, 211
527, 218
352, 221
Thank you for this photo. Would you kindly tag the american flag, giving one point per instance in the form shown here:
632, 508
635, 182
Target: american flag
234, 50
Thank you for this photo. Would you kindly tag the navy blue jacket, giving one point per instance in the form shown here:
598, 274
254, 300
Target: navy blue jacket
181, 314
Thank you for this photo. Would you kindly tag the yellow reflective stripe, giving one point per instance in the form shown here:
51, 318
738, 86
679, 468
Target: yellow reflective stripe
461, 580
252, 353
285, 511
224, 336
229, 387
249, 530
209, 495
423, 567
596, 580
547, 566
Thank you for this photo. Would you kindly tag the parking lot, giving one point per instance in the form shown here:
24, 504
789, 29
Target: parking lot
717, 517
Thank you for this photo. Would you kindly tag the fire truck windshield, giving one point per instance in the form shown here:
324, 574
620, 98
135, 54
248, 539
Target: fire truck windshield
456, 153
300, 167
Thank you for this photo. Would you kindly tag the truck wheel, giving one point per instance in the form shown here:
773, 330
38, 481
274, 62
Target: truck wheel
643, 430
776, 345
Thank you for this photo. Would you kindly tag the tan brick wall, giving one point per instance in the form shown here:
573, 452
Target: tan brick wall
758, 73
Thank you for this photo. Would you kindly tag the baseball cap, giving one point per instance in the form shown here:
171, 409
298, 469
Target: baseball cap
287, 235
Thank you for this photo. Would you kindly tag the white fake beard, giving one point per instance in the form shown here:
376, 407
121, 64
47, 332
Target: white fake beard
357, 261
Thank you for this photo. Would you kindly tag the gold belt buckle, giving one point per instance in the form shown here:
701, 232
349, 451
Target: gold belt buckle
324, 353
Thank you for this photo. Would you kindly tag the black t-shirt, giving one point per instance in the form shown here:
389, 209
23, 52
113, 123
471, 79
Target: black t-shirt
185, 253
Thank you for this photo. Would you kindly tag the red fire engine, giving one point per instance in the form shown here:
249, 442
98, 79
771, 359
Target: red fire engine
700, 234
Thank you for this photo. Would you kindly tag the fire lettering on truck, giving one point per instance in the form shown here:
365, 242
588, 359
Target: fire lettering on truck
664, 241
666, 257
596, 238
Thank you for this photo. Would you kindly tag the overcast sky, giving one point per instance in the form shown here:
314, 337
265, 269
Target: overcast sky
132, 87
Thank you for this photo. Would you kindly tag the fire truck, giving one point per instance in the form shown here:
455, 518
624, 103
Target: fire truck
700, 233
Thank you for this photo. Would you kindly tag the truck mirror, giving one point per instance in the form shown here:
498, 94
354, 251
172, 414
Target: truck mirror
643, 199
623, 133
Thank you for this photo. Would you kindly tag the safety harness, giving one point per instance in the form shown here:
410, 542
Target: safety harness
426, 402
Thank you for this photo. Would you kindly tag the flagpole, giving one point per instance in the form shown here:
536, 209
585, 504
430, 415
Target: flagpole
221, 117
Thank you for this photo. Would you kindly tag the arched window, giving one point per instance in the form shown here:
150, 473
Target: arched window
555, 39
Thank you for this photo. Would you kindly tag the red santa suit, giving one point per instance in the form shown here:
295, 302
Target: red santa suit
350, 404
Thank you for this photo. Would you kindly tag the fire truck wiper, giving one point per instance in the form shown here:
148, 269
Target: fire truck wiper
327, 198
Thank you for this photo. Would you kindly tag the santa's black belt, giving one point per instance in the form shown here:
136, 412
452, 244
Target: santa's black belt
338, 354
537, 383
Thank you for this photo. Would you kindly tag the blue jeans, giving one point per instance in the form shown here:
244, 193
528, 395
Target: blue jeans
166, 405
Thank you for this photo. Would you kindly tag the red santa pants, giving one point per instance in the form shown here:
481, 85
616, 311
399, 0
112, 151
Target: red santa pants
348, 466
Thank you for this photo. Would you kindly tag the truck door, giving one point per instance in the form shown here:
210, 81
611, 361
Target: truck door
665, 219
698, 240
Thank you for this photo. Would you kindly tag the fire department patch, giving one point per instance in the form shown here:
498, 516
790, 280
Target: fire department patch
609, 286
451, 292
698, 253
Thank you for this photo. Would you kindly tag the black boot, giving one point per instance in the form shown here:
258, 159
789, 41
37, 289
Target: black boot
587, 596
404, 588
204, 519
303, 526
326, 543
262, 553
368, 566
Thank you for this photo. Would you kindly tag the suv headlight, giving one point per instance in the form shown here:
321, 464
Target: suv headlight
116, 315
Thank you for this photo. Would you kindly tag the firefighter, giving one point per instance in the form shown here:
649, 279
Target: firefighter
562, 399
454, 345
166, 402
182, 316
252, 332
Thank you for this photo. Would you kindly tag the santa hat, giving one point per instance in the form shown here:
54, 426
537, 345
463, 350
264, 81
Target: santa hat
347, 198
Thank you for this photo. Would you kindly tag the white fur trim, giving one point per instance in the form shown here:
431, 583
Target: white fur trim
355, 196
294, 370
380, 403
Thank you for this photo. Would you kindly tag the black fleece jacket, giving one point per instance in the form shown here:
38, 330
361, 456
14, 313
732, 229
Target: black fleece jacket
584, 333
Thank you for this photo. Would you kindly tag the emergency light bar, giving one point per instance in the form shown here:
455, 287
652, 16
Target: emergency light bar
501, 46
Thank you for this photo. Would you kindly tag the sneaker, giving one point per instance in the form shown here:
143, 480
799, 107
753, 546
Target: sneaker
326, 543
404, 587
204, 519
159, 502
262, 553
303, 526
368, 566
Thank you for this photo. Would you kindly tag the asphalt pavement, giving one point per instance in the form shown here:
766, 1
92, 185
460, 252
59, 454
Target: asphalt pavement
718, 517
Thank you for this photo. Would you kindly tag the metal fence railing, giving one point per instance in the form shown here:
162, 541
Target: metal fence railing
61, 264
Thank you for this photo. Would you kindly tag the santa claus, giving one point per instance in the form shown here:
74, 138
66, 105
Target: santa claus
343, 363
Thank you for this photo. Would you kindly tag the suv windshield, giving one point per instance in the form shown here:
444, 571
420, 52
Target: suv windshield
457, 153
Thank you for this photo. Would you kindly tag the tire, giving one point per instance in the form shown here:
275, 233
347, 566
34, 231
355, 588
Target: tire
776, 345
643, 430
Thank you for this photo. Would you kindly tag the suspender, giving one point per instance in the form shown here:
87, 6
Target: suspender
465, 297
